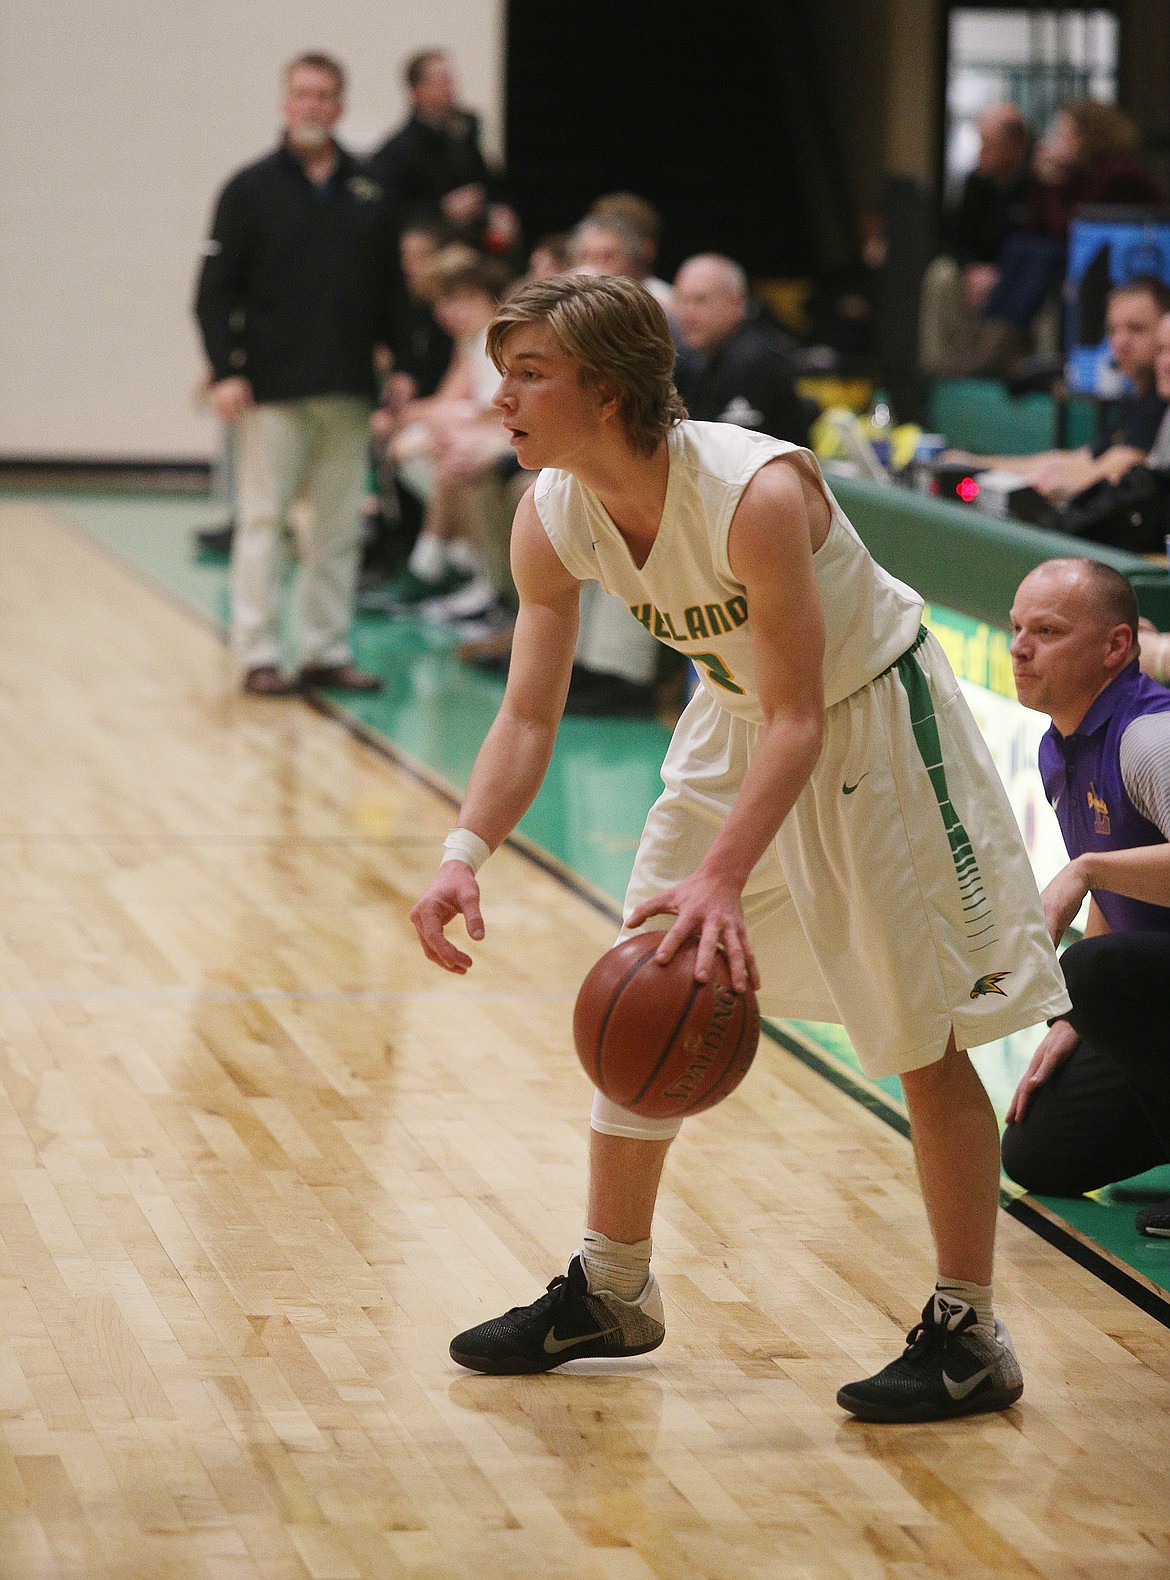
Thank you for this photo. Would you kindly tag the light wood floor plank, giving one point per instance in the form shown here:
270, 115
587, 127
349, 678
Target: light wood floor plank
258, 1161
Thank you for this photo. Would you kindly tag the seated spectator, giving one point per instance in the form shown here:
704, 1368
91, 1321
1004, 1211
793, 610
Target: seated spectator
1159, 452
420, 354
616, 659
991, 206
1088, 155
735, 365
1155, 653
1133, 512
606, 245
842, 307
646, 222
433, 163
423, 348
1094, 1105
1131, 323
440, 441
550, 255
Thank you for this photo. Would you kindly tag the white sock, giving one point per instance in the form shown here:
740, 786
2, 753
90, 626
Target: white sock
428, 558
462, 555
976, 1295
611, 1265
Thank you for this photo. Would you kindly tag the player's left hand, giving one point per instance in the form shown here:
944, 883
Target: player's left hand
712, 912
1062, 899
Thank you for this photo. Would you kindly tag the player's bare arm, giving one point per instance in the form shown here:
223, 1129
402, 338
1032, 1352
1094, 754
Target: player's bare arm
515, 754
781, 519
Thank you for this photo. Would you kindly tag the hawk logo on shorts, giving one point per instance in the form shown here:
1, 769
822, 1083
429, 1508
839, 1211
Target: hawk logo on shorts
990, 984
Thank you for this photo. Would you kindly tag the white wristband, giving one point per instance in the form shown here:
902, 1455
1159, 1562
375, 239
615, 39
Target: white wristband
462, 845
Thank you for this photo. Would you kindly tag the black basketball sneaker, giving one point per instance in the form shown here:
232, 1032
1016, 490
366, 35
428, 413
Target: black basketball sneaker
567, 1323
952, 1365
1154, 1220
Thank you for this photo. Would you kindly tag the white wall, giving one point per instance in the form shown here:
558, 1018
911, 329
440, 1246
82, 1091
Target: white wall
119, 120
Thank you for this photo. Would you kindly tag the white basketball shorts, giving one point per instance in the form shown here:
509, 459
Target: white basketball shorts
897, 898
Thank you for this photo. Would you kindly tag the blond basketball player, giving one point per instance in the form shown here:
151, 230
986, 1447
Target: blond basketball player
830, 818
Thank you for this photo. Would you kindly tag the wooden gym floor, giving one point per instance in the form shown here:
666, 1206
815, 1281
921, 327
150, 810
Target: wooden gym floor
260, 1160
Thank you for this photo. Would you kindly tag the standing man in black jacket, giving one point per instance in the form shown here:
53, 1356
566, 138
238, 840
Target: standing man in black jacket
434, 165
298, 288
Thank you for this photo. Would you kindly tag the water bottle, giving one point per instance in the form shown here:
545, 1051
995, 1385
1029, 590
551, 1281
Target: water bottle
879, 425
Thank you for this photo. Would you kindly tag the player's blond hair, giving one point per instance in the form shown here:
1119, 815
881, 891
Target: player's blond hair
618, 336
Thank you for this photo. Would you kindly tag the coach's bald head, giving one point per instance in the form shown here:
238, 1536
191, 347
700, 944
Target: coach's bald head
1074, 629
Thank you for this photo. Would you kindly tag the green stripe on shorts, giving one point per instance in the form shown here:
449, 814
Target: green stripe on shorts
978, 919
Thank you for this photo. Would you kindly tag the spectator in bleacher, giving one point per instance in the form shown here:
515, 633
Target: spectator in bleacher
1088, 155
991, 206
1131, 324
1159, 453
993, 199
450, 440
646, 222
1133, 512
296, 294
550, 255
616, 660
1155, 654
422, 354
433, 163
735, 365
842, 307
606, 245
423, 348
1094, 1105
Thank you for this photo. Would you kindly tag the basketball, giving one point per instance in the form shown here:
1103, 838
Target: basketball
653, 1039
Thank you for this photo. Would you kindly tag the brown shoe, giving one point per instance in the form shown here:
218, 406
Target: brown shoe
267, 681
340, 677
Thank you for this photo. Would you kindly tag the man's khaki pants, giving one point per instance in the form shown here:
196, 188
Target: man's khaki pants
319, 444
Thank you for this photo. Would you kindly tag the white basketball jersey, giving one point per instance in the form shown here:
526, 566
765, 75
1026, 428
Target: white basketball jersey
686, 594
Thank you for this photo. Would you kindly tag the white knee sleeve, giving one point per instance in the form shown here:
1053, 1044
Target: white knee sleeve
614, 1121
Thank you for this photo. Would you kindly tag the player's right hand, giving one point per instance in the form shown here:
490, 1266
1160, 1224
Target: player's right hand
453, 892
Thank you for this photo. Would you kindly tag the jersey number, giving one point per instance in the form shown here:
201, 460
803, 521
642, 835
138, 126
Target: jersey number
717, 670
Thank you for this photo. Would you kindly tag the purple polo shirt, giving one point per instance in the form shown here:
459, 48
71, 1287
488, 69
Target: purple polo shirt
1082, 779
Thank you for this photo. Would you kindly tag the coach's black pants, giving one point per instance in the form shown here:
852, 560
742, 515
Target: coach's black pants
1105, 1114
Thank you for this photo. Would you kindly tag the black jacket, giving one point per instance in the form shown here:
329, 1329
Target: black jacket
423, 348
986, 215
748, 381
421, 163
299, 282
1134, 420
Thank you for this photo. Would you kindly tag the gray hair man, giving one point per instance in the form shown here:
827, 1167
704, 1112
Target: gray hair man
736, 365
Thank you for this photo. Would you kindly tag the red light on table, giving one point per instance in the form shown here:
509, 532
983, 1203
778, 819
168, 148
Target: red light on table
967, 490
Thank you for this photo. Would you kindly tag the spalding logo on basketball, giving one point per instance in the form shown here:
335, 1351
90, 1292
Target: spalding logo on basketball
653, 1039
